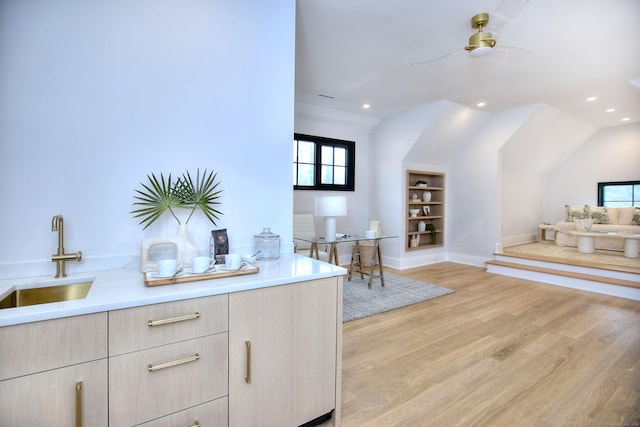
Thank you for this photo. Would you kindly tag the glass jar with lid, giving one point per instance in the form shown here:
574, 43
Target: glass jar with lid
267, 244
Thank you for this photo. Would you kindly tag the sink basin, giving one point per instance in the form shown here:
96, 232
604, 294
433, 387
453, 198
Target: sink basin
46, 294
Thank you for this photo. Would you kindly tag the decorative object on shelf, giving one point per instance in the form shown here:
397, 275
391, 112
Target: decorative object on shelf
414, 197
432, 229
426, 196
415, 240
331, 207
160, 195
414, 212
422, 226
426, 210
421, 184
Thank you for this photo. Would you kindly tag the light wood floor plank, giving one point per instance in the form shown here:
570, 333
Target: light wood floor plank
499, 352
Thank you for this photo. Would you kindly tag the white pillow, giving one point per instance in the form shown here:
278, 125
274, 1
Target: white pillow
614, 215
626, 215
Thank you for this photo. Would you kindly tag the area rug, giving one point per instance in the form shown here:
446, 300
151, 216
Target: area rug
359, 301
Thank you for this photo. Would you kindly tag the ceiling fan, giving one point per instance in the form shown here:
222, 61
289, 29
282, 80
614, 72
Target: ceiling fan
484, 41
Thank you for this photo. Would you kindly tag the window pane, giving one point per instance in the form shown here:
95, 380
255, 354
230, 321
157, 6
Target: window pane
306, 152
636, 195
618, 193
305, 174
340, 157
327, 155
339, 175
327, 175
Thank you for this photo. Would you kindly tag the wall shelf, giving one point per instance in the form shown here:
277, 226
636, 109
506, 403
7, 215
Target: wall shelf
433, 219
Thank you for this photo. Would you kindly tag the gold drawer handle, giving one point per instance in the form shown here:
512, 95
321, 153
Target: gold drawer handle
79, 404
174, 319
247, 378
174, 363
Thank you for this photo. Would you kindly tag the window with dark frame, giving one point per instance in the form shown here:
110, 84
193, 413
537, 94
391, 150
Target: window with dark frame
321, 163
619, 194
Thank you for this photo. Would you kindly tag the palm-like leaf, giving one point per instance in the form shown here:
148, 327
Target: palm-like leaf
201, 194
161, 195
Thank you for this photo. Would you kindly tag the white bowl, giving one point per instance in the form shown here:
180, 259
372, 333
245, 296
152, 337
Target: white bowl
414, 212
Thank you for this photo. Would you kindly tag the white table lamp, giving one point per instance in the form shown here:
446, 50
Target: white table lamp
331, 207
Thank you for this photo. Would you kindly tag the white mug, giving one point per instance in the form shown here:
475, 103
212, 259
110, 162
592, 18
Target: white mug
233, 261
201, 264
168, 267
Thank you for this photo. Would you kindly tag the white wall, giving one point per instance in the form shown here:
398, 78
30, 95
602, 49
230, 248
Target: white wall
545, 140
612, 154
96, 95
329, 123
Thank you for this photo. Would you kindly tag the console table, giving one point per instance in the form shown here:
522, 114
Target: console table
586, 242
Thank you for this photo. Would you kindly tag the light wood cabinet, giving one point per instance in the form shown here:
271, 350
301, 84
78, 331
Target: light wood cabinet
284, 353
166, 358
54, 372
181, 363
210, 414
425, 194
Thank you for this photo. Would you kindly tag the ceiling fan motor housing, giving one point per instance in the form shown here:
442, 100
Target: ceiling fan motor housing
481, 40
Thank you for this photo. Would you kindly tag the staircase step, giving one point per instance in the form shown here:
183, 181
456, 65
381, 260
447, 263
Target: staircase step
563, 273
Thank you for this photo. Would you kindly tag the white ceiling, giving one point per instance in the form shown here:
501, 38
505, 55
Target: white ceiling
360, 51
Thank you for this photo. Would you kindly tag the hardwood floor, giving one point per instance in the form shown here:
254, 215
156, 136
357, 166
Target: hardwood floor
498, 352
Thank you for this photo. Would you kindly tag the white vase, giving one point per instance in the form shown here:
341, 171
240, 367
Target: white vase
422, 226
426, 196
185, 250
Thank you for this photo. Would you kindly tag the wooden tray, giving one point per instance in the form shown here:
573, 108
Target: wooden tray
149, 280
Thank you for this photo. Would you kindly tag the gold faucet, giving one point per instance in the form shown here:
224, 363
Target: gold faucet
57, 224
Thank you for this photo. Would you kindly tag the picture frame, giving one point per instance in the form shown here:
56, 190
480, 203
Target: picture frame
426, 210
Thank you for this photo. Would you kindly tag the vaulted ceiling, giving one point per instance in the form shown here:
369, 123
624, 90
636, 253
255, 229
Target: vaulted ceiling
352, 52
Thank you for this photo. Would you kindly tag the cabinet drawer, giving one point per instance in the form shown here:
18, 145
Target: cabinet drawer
50, 398
137, 394
210, 414
130, 329
50, 344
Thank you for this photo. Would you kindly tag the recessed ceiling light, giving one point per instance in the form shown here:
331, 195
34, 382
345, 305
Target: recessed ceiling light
591, 98
610, 110
366, 106
625, 119
481, 104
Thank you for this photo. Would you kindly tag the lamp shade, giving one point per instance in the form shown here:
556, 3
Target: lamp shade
331, 206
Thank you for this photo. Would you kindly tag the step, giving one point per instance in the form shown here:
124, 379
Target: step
623, 288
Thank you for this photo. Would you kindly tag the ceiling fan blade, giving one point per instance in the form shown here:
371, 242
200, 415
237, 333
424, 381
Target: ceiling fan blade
505, 12
509, 54
509, 9
438, 58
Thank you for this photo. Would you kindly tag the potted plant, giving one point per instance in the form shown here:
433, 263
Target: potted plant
160, 195
421, 183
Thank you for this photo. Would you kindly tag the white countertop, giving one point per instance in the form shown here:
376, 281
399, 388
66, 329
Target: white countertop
124, 288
